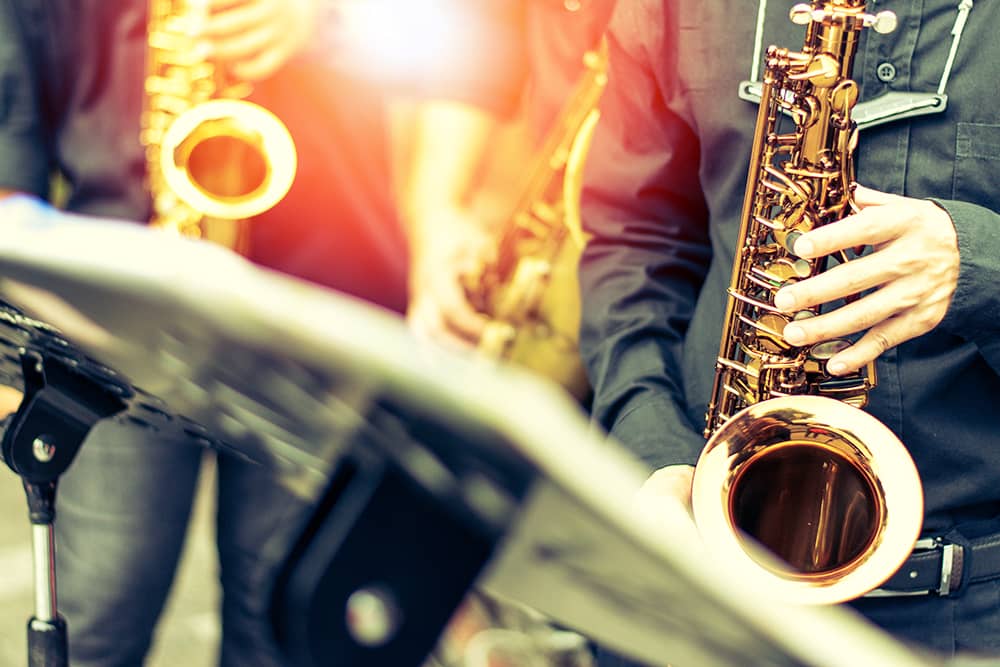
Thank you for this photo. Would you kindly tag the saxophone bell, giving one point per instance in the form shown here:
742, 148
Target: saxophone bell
823, 486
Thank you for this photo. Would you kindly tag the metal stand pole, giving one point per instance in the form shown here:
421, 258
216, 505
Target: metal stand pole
47, 645
57, 411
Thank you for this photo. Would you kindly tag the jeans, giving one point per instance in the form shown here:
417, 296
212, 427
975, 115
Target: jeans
122, 513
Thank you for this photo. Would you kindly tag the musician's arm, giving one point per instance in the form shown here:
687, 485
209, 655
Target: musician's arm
446, 141
25, 163
643, 268
447, 240
455, 112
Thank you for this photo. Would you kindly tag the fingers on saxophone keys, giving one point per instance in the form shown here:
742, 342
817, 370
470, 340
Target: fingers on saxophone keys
228, 20
431, 325
245, 45
261, 65
867, 313
877, 340
467, 324
870, 226
840, 281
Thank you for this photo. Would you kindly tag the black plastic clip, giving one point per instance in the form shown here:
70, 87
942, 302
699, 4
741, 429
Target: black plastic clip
379, 570
59, 407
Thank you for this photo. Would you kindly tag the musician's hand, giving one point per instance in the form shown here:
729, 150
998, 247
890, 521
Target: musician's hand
914, 268
668, 485
439, 307
255, 38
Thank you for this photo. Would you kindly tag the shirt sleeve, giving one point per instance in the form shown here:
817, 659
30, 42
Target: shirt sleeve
974, 313
24, 164
648, 254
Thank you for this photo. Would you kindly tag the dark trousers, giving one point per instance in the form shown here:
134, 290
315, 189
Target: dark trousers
123, 510
968, 624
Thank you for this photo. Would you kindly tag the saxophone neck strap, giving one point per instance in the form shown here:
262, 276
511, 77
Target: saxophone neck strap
887, 108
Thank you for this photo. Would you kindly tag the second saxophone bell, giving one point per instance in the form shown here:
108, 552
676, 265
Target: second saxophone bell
229, 159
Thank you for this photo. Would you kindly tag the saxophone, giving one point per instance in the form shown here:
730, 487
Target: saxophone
213, 159
791, 460
530, 291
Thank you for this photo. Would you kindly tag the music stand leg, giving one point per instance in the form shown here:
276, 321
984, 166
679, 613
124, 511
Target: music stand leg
41, 439
47, 645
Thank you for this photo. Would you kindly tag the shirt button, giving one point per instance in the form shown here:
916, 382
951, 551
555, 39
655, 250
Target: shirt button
885, 72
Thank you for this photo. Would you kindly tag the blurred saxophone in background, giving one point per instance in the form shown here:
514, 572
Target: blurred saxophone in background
214, 160
530, 291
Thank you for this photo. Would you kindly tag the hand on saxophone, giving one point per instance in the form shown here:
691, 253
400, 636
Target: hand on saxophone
443, 261
913, 270
670, 484
257, 37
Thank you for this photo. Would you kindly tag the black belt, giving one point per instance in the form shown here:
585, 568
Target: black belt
939, 567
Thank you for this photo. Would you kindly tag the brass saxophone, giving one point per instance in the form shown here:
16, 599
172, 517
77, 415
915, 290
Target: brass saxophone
792, 461
213, 159
530, 291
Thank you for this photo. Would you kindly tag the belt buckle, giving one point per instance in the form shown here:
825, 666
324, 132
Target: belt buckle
947, 579
947, 561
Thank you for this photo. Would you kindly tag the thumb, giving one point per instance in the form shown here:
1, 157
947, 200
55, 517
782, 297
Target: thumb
868, 197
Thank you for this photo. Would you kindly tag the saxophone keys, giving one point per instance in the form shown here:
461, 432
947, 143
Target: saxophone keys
826, 350
822, 70
883, 23
497, 339
770, 330
169, 105
546, 213
844, 96
780, 272
801, 13
788, 239
167, 86
786, 270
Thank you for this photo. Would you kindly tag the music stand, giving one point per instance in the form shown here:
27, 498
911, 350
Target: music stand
431, 470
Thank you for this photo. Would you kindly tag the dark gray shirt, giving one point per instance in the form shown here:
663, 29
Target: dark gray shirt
663, 194
71, 78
